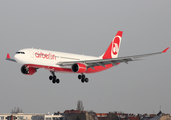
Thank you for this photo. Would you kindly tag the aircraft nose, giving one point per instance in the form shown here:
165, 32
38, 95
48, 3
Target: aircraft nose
20, 56
16, 57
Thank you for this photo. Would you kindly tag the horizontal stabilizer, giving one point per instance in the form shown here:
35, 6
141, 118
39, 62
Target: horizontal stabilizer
9, 58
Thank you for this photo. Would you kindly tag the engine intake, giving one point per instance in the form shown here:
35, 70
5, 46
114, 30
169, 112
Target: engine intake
28, 70
78, 68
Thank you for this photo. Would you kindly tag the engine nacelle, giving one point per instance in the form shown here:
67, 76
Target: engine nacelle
28, 70
78, 68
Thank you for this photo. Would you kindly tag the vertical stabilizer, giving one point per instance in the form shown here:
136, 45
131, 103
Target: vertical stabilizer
113, 49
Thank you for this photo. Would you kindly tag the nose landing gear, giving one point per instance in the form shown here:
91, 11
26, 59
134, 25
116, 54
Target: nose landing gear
83, 78
53, 78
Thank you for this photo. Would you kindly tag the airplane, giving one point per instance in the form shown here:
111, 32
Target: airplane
33, 59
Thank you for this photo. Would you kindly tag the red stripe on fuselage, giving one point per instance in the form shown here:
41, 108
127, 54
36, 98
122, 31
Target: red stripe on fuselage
51, 68
58, 69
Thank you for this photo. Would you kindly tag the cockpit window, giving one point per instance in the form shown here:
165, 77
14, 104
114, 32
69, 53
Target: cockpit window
20, 52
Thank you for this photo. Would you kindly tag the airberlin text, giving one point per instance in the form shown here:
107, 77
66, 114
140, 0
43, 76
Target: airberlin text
49, 56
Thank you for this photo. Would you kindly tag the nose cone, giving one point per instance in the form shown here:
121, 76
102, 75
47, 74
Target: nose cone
18, 58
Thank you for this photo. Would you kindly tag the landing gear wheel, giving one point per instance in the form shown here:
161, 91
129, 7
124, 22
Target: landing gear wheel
50, 77
53, 81
86, 80
57, 80
82, 80
83, 76
79, 76
54, 77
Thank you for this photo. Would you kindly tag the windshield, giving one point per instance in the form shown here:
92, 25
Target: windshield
20, 52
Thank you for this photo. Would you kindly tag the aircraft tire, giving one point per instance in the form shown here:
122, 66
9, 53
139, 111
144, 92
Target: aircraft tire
82, 80
83, 76
86, 80
54, 77
50, 77
53, 81
57, 80
79, 76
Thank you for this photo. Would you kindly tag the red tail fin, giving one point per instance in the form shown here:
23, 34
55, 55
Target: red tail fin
113, 49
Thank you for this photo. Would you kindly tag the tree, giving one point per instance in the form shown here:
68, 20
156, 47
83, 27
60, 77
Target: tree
80, 106
16, 110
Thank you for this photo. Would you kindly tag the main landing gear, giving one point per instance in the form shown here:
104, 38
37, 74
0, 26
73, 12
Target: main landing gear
83, 78
53, 78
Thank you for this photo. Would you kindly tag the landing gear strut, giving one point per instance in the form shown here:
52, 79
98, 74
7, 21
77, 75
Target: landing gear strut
83, 78
53, 78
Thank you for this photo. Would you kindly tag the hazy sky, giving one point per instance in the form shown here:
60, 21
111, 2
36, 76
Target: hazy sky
87, 27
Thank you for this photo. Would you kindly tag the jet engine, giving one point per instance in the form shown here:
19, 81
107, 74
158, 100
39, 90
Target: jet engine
79, 67
28, 70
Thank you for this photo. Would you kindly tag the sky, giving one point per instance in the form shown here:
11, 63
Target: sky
87, 27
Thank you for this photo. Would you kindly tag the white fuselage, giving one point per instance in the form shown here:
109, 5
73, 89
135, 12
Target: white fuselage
47, 58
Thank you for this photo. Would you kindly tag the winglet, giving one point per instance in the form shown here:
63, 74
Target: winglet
8, 56
164, 51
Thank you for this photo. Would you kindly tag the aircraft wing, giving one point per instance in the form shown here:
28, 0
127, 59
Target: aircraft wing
113, 61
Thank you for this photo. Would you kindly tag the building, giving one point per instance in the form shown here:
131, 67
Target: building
165, 117
77, 115
23, 116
